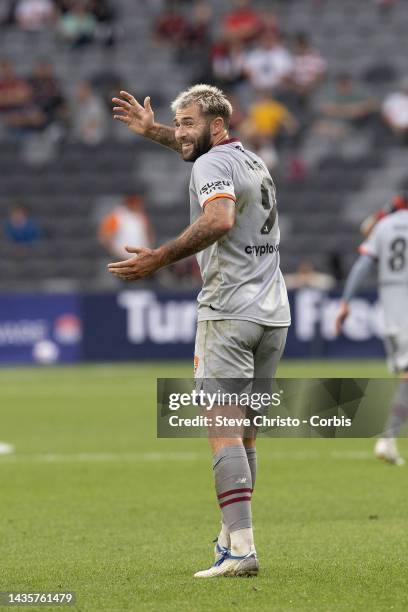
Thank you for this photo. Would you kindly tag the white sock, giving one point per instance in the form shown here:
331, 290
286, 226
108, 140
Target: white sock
242, 542
224, 539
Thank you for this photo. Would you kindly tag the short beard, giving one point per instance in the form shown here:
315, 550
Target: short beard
203, 146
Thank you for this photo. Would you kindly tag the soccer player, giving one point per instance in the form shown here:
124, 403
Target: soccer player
398, 202
387, 246
243, 310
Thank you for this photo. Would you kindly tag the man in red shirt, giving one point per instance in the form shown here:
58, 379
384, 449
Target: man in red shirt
242, 23
18, 112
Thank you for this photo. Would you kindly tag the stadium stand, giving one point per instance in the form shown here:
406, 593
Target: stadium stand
62, 181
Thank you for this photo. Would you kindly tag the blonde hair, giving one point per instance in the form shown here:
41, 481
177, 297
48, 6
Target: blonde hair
210, 99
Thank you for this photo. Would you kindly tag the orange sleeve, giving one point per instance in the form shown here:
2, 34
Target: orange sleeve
110, 225
228, 196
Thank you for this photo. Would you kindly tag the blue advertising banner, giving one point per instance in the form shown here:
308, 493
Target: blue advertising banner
139, 325
144, 325
40, 328
312, 333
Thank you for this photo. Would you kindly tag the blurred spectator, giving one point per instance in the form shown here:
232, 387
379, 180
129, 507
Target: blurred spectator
395, 110
107, 82
307, 276
34, 14
18, 113
385, 7
191, 35
14, 91
197, 33
78, 25
227, 63
238, 115
105, 16
270, 64
20, 228
7, 12
309, 67
63, 6
296, 170
47, 94
344, 108
243, 23
90, 117
171, 26
268, 117
126, 225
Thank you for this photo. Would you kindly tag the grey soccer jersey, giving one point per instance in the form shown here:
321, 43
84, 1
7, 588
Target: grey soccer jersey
241, 274
388, 244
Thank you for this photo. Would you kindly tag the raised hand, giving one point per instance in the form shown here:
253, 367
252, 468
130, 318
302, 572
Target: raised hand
139, 119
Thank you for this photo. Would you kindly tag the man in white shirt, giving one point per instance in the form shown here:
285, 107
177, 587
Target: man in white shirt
269, 65
395, 110
34, 14
126, 224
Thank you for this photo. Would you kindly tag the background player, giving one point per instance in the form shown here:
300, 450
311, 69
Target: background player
243, 310
399, 202
387, 245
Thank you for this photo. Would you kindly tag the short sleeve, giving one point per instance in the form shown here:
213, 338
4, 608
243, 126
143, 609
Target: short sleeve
110, 225
212, 179
371, 245
388, 105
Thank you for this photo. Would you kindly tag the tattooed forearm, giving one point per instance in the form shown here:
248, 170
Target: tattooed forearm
164, 135
194, 239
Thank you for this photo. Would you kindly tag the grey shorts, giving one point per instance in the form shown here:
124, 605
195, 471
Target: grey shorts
233, 349
396, 348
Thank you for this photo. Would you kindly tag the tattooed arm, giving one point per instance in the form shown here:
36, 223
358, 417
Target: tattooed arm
164, 135
140, 120
217, 219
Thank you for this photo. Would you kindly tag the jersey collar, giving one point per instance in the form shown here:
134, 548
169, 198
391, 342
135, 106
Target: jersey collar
227, 141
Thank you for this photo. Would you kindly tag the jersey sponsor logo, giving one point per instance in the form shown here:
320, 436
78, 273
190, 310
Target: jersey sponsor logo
214, 186
264, 249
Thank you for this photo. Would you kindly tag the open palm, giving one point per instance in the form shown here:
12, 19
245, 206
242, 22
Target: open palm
138, 118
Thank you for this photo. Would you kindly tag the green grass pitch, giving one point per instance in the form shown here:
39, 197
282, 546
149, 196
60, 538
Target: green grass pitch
92, 502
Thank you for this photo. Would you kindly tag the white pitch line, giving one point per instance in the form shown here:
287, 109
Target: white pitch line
98, 457
175, 456
352, 455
